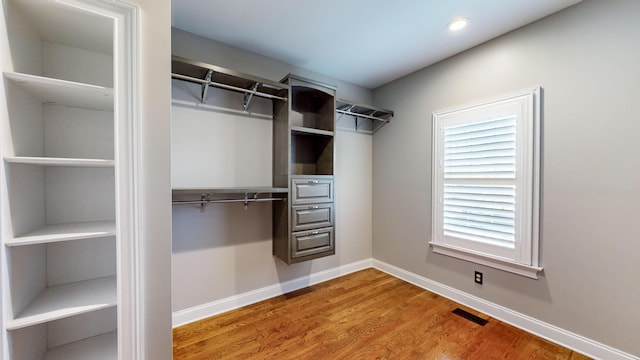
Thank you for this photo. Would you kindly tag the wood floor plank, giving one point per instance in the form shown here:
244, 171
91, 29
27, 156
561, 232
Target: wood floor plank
364, 315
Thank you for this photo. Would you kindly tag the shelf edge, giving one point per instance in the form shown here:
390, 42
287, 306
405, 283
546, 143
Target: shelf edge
230, 190
311, 131
47, 234
51, 161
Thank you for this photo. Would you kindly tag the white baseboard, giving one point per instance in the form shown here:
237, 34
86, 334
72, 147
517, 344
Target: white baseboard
539, 328
217, 307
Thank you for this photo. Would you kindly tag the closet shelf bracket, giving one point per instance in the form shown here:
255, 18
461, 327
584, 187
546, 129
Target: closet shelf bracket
248, 96
205, 86
204, 200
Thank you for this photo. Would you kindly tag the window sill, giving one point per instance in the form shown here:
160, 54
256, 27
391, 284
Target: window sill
502, 264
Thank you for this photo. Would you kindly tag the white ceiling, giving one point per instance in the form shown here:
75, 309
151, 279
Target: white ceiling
365, 42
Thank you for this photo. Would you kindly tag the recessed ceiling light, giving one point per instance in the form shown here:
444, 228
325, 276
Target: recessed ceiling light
458, 23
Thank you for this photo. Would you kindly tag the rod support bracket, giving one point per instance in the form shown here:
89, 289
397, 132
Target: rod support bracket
204, 199
248, 96
205, 86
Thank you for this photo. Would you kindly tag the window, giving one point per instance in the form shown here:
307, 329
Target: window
486, 169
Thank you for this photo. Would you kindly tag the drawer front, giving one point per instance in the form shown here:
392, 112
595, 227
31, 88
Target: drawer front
312, 242
306, 217
311, 191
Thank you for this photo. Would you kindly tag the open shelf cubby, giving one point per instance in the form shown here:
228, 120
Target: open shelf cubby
312, 108
311, 154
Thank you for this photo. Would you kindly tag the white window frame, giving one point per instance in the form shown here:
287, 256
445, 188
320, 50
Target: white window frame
523, 256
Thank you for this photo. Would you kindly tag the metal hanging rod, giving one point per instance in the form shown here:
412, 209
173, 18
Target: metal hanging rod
185, 103
206, 199
214, 201
252, 91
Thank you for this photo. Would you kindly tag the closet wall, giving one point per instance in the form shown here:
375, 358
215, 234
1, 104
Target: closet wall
586, 60
227, 250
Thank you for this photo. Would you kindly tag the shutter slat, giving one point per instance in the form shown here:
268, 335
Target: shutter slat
452, 144
509, 151
479, 168
509, 221
481, 189
493, 213
481, 161
479, 197
507, 145
480, 205
484, 175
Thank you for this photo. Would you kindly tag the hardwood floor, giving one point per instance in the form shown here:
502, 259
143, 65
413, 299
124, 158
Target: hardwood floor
364, 315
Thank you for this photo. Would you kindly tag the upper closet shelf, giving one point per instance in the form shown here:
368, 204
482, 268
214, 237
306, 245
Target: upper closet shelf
62, 92
367, 118
212, 75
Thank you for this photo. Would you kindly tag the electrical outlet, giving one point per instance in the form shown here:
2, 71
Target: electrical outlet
478, 277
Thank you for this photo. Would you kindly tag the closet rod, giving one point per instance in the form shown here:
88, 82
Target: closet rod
228, 87
212, 201
362, 115
185, 103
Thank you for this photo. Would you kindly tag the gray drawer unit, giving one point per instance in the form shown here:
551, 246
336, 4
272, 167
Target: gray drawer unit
305, 217
311, 191
312, 242
303, 161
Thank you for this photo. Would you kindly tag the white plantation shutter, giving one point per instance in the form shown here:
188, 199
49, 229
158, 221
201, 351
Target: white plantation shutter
480, 150
484, 182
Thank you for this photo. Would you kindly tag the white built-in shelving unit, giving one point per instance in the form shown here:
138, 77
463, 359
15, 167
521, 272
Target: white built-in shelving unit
58, 184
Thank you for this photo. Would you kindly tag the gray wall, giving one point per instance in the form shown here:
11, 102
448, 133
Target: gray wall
587, 59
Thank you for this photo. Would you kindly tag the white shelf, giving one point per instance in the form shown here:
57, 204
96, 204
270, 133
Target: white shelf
67, 300
101, 347
62, 92
65, 232
50, 161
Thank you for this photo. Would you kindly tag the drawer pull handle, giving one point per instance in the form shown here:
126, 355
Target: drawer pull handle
314, 181
314, 233
314, 207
